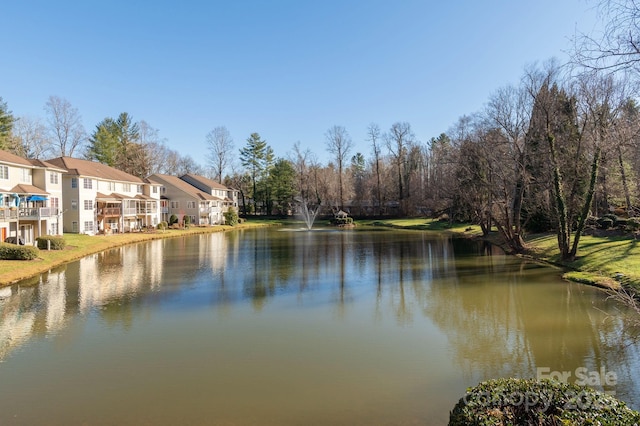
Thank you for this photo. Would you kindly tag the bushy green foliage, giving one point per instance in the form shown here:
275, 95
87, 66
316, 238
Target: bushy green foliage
56, 242
173, 219
231, 217
545, 403
592, 221
17, 252
538, 221
342, 221
633, 224
162, 226
606, 222
621, 223
186, 221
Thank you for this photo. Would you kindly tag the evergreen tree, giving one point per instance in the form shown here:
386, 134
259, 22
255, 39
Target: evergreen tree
103, 143
253, 156
282, 179
117, 144
7, 121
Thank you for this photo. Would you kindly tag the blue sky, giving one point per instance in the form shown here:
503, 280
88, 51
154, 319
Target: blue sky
288, 70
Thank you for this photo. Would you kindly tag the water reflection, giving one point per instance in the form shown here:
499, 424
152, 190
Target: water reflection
444, 313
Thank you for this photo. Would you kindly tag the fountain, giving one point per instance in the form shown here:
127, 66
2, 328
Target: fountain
308, 214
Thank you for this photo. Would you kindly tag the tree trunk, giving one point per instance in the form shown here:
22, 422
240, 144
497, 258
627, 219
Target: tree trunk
560, 205
378, 188
587, 204
625, 184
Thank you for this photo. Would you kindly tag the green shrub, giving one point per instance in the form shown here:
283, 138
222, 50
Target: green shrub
162, 226
633, 224
591, 221
16, 252
173, 219
342, 221
605, 222
544, 403
186, 221
231, 217
621, 223
56, 242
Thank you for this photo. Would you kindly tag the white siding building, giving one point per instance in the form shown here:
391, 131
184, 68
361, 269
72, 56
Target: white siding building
99, 198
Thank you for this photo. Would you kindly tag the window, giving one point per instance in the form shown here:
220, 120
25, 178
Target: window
25, 175
53, 178
175, 205
87, 183
74, 227
55, 205
74, 204
54, 229
88, 226
4, 172
126, 187
154, 189
191, 204
111, 186
163, 190
74, 182
139, 189
88, 204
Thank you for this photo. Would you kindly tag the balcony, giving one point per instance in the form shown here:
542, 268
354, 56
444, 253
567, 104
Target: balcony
32, 213
109, 211
8, 214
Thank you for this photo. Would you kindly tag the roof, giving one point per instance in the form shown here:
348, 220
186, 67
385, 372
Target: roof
205, 181
10, 158
27, 189
46, 164
79, 167
183, 186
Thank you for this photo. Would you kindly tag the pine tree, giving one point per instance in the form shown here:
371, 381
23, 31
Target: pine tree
6, 125
253, 156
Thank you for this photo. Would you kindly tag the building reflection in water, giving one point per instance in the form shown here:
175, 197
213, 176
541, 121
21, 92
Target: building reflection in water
500, 316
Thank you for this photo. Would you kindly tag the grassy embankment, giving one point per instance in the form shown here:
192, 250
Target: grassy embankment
79, 246
602, 261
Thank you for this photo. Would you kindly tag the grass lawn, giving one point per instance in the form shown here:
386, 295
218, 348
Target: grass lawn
600, 259
79, 246
425, 225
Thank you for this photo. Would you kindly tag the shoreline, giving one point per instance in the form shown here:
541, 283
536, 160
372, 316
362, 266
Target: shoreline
79, 246
541, 248
546, 253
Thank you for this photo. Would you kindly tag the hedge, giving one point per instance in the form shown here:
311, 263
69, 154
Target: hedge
545, 403
57, 242
17, 252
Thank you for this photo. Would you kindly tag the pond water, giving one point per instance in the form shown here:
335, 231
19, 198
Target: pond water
288, 327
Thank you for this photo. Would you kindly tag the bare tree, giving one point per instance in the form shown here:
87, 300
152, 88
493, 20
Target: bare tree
339, 144
399, 141
374, 135
508, 111
156, 152
31, 138
617, 47
65, 126
220, 146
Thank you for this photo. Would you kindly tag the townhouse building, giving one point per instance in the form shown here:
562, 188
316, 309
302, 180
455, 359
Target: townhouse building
101, 199
227, 197
30, 198
180, 198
